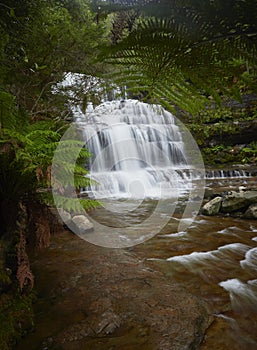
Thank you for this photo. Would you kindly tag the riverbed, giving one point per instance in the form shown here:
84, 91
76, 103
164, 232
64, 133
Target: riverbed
214, 260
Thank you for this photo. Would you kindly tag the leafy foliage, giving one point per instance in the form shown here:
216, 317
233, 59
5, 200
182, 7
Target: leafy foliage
26, 159
42, 40
33, 154
193, 50
70, 175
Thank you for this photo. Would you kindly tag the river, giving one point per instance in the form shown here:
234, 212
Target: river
215, 259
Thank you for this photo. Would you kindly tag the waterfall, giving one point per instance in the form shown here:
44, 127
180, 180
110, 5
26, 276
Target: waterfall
224, 174
137, 151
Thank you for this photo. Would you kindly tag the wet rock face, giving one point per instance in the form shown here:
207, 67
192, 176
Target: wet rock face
97, 298
64, 216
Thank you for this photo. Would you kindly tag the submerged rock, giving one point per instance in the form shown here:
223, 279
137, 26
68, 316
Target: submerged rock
119, 302
212, 207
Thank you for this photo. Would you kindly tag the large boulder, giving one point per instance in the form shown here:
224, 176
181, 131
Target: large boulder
80, 224
238, 201
212, 207
251, 212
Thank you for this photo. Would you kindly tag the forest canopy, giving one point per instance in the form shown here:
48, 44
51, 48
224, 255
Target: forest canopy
174, 52
40, 41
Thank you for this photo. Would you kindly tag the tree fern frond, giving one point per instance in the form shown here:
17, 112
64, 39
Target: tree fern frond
43, 136
189, 51
75, 205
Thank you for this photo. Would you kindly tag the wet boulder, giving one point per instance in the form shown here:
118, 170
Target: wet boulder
251, 212
212, 207
236, 201
251, 196
80, 224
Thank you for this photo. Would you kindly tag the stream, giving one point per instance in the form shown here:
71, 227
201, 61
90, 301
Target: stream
215, 259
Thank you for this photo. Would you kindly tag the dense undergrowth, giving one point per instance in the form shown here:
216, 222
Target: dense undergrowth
16, 305
226, 135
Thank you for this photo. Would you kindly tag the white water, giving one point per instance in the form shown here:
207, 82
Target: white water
224, 174
242, 295
137, 152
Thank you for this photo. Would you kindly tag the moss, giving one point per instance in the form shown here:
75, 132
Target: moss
230, 124
226, 114
224, 134
221, 154
16, 318
203, 133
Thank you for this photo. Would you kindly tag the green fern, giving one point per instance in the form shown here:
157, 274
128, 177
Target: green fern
26, 158
70, 175
73, 205
187, 53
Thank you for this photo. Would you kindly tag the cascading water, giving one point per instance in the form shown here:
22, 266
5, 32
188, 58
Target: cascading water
137, 151
140, 152
224, 174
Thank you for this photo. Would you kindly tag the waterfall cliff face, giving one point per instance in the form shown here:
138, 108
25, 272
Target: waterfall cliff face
137, 151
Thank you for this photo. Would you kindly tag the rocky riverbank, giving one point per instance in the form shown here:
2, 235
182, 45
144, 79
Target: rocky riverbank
241, 203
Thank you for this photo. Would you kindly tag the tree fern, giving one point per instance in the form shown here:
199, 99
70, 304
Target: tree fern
74, 205
187, 53
26, 161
